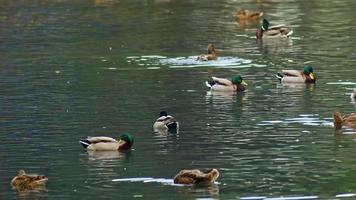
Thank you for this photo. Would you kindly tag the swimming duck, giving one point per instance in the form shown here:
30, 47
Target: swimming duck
221, 84
25, 181
196, 176
353, 95
211, 55
165, 122
348, 120
295, 76
277, 31
247, 15
103, 143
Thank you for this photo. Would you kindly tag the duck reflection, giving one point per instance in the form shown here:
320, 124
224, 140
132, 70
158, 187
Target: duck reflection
275, 45
108, 155
202, 190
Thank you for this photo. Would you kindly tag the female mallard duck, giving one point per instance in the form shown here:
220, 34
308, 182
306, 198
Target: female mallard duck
353, 95
165, 122
221, 84
196, 176
348, 120
211, 55
277, 31
25, 181
294, 76
102, 143
247, 15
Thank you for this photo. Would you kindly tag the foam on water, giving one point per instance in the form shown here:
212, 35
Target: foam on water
191, 61
305, 119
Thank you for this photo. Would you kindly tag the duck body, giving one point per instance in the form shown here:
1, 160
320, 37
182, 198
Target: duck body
295, 76
196, 176
165, 122
277, 31
247, 15
225, 85
211, 54
25, 181
103, 143
347, 120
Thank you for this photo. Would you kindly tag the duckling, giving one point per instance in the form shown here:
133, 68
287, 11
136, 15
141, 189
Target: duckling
294, 76
247, 15
103, 143
277, 31
196, 176
165, 122
353, 95
211, 55
221, 84
348, 120
25, 181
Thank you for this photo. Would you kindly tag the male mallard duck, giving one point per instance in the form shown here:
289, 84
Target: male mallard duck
277, 31
295, 76
196, 176
25, 181
165, 122
211, 55
102, 143
221, 84
348, 120
247, 15
353, 95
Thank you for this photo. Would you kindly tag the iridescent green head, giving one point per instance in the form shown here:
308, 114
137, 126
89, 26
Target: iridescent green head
238, 80
127, 137
307, 70
265, 25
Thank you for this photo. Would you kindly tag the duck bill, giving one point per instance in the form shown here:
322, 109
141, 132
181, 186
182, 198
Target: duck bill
244, 83
311, 75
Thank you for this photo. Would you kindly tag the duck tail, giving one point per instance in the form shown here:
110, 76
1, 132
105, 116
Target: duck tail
85, 143
289, 33
210, 83
279, 76
337, 120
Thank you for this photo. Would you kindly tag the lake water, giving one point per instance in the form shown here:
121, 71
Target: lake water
70, 69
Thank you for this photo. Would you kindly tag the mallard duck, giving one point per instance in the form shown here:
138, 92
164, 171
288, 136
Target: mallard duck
221, 84
353, 95
103, 143
247, 15
295, 76
196, 176
25, 181
211, 54
165, 122
277, 31
348, 120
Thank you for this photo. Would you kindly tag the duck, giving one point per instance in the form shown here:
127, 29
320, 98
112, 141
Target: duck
340, 121
295, 76
196, 176
23, 181
104, 143
211, 54
247, 15
353, 95
222, 84
165, 122
277, 31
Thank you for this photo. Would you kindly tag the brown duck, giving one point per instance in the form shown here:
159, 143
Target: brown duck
196, 176
25, 181
347, 120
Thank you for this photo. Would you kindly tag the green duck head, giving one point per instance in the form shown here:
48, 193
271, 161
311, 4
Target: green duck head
308, 70
127, 137
265, 24
238, 80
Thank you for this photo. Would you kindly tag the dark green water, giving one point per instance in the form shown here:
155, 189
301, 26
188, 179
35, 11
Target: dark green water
75, 68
